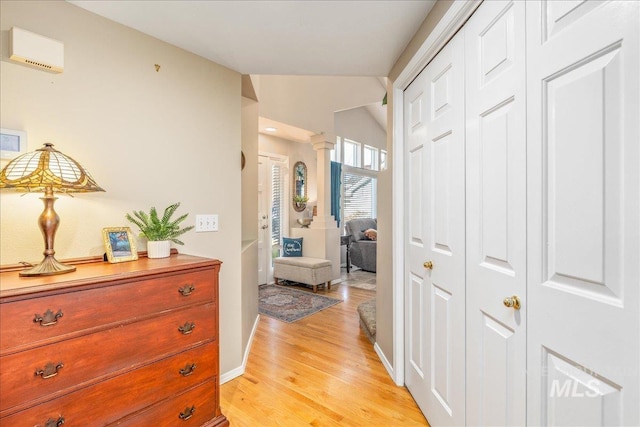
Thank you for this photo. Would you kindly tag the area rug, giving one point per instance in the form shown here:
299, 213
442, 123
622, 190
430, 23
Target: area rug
361, 285
359, 279
290, 305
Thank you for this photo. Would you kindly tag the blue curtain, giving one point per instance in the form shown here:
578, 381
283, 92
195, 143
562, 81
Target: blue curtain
336, 173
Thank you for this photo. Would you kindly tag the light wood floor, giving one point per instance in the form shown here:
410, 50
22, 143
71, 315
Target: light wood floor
318, 371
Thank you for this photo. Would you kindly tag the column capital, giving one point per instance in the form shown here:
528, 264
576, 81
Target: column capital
322, 142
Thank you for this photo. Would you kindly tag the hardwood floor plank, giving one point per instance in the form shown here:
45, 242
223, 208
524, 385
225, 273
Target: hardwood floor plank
318, 371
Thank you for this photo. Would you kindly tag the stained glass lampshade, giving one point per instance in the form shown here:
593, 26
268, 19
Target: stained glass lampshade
47, 170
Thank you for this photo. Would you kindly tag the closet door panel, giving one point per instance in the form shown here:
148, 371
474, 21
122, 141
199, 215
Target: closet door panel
435, 155
445, 235
416, 302
496, 214
583, 215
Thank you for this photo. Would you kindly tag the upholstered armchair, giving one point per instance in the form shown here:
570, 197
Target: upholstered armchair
362, 250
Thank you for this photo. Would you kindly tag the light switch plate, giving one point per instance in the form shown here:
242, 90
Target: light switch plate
207, 222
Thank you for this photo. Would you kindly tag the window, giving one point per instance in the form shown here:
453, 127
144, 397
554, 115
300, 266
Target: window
359, 195
277, 202
370, 158
383, 160
351, 153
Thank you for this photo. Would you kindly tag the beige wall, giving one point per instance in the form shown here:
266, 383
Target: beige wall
435, 15
295, 151
384, 300
250, 172
148, 138
384, 254
249, 217
357, 124
309, 102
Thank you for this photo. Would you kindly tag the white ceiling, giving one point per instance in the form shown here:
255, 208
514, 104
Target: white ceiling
294, 37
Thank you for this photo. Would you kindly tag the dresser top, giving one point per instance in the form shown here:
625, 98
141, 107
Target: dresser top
95, 273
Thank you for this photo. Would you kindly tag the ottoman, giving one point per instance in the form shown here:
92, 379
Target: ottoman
310, 271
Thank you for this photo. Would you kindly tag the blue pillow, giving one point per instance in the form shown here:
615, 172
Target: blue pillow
291, 247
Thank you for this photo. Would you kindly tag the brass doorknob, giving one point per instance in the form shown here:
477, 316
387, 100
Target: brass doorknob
428, 264
512, 302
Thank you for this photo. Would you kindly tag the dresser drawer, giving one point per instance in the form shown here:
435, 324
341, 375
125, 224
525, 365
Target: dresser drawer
126, 393
199, 403
94, 357
90, 310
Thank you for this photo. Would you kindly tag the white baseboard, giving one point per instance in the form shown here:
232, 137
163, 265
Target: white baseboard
385, 361
234, 373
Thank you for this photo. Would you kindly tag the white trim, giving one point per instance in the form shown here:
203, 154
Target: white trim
383, 359
234, 373
450, 23
274, 156
397, 188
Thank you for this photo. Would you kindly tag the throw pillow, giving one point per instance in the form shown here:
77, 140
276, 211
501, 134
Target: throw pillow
291, 247
371, 234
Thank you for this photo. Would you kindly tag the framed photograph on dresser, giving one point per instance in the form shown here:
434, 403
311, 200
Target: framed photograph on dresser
119, 244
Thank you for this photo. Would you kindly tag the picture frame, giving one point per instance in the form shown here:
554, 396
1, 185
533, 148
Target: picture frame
120, 244
12, 143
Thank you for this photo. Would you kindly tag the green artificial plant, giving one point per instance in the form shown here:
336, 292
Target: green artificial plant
300, 199
155, 228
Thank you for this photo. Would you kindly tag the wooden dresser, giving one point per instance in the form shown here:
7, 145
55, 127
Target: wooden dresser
130, 344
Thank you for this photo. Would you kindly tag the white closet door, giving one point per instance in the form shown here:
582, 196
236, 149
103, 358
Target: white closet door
435, 298
583, 213
496, 214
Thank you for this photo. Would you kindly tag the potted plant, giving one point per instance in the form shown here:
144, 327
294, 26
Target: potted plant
160, 232
300, 201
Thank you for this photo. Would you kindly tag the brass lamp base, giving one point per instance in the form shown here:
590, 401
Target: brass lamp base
48, 267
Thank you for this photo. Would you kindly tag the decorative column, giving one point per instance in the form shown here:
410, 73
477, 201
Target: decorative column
323, 148
322, 238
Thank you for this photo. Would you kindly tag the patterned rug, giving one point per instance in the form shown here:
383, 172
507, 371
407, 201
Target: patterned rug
290, 305
359, 279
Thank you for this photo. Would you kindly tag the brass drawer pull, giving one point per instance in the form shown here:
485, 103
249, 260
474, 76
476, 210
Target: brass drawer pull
51, 422
188, 370
186, 290
50, 370
187, 328
48, 318
188, 413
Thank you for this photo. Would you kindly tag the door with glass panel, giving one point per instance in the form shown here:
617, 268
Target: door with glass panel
272, 211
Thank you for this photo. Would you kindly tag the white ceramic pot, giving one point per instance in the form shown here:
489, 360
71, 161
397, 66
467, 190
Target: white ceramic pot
159, 249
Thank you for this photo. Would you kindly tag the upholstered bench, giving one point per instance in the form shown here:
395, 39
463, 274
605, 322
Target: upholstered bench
310, 271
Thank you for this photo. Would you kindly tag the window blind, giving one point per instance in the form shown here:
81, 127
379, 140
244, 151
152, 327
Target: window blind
276, 207
359, 196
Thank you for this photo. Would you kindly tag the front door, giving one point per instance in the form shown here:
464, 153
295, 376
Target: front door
264, 231
272, 211
435, 295
583, 162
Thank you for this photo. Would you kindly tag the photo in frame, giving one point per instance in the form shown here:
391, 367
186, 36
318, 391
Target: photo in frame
119, 244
